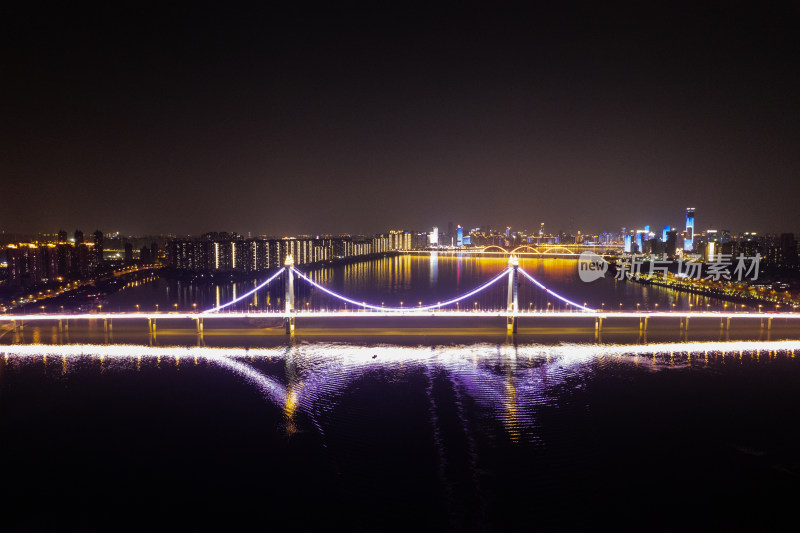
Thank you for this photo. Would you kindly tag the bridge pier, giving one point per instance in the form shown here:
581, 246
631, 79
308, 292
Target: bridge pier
598, 329
151, 330
289, 263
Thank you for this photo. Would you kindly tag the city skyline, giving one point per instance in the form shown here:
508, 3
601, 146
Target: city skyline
181, 121
564, 228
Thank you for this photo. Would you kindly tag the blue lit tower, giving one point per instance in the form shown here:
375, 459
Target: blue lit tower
689, 240
664, 232
460, 236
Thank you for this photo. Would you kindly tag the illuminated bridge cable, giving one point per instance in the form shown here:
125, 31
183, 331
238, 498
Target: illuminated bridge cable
579, 306
400, 309
245, 295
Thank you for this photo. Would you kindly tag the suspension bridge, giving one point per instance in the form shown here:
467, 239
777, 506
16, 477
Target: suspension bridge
512, 277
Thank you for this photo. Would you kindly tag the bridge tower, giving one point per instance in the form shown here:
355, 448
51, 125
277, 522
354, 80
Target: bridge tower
289, 263
513, 289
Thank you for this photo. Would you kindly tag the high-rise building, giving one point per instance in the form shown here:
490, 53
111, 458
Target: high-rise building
672, 243
688, 243
666, 229
628, 243
434, 236
641, 236
98, 247
459, 236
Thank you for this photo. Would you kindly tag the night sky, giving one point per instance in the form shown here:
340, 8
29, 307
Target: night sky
205, 117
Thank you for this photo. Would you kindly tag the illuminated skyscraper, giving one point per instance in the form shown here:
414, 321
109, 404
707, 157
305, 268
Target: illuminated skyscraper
460, 236
628, 243
689, 240
434, 236
664, 232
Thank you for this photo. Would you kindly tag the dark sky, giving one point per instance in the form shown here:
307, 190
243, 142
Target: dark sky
147, 118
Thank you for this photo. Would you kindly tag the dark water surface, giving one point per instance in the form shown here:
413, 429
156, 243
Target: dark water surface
482, 436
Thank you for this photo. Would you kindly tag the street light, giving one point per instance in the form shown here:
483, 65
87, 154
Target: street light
137, 308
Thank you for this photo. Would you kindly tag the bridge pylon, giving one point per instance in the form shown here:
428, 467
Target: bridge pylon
513, 290
289, 263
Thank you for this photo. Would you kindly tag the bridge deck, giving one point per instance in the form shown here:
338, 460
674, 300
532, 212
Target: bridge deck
400, 314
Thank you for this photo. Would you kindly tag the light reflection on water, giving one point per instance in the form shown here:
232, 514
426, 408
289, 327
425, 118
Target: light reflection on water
508, 382
476, 436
